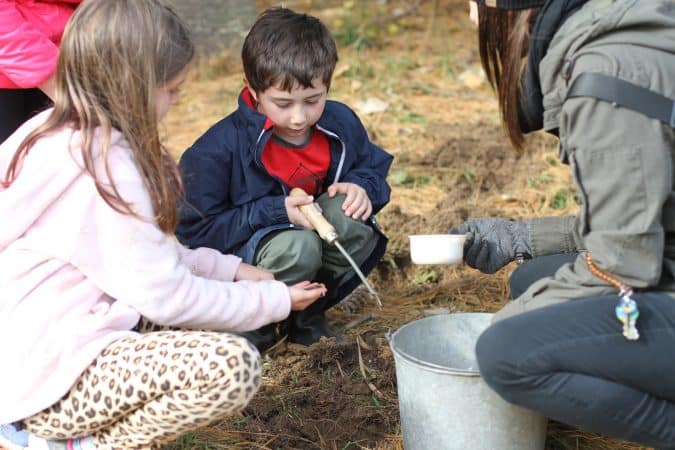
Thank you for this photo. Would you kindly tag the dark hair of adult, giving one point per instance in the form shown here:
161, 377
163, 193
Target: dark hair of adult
503, 43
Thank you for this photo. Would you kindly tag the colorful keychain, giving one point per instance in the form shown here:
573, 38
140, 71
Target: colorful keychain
626, 310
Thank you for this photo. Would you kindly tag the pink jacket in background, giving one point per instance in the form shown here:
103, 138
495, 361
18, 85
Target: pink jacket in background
30, 34
76, 275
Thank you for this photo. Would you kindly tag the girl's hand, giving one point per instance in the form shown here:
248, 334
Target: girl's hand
305, 293
293, 212
252, 273
357, 205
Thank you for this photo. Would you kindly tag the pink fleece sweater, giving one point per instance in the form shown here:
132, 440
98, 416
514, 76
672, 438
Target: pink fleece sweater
76, 275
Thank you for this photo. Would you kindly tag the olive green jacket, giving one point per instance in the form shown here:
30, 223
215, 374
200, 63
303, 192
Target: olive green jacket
622, 161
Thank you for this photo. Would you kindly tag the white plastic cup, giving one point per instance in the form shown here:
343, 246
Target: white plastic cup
437, 248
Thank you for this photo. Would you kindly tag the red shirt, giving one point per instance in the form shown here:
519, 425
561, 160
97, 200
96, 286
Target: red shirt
304, 166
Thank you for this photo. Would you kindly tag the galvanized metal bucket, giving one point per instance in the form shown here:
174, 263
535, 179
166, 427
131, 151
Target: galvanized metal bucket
443, 401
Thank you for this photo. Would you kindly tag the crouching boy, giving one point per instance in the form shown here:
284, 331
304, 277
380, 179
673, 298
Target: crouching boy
286, 134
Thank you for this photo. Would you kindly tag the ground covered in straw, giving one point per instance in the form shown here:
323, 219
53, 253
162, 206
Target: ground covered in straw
411, 70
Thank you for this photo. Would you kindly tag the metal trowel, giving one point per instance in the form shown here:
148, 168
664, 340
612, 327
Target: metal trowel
327, 232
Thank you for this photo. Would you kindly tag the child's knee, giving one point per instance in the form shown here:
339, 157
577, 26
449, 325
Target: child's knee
306, 255
306, 245
293, 255
331, 207
355, 231
303, 253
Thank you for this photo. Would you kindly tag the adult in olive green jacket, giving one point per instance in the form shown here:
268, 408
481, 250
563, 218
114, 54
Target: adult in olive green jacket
559, 347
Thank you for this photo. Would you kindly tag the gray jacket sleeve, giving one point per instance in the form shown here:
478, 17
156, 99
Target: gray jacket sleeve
550, 235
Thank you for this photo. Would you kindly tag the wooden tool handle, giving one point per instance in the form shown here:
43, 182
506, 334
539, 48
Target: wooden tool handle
313, 214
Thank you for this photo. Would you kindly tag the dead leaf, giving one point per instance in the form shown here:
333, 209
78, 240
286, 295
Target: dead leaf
372, 105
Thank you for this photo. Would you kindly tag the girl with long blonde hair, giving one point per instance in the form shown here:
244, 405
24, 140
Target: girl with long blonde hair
90, 269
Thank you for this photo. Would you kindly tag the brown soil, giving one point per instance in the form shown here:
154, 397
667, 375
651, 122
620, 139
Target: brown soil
452, 162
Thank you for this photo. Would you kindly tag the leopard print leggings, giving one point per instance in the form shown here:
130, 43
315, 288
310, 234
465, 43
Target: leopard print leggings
146, 390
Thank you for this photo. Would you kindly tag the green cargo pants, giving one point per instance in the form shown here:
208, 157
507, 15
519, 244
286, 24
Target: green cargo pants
297, 255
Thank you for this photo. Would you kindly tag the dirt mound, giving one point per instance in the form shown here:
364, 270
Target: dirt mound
325, 396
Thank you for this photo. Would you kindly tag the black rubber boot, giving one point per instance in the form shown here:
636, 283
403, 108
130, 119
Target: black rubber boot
263, 338
308, 326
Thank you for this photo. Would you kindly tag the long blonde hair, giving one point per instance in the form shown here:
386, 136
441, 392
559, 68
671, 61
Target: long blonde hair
114, 55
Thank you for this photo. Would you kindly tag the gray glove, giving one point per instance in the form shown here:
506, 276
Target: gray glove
492, 243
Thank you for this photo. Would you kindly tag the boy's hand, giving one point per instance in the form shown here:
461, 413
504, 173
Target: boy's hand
357, 205
252, 273
293, 212
305, 293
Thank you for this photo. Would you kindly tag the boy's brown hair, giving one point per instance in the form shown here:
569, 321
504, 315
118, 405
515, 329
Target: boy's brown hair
284, 47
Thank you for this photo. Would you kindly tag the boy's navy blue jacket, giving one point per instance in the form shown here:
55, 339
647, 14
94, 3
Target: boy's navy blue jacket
232, 202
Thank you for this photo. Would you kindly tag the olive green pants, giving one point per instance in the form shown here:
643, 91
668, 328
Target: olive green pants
298, 255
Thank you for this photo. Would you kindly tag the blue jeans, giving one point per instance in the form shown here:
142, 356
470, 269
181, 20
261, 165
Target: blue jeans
571, 363
537, 268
